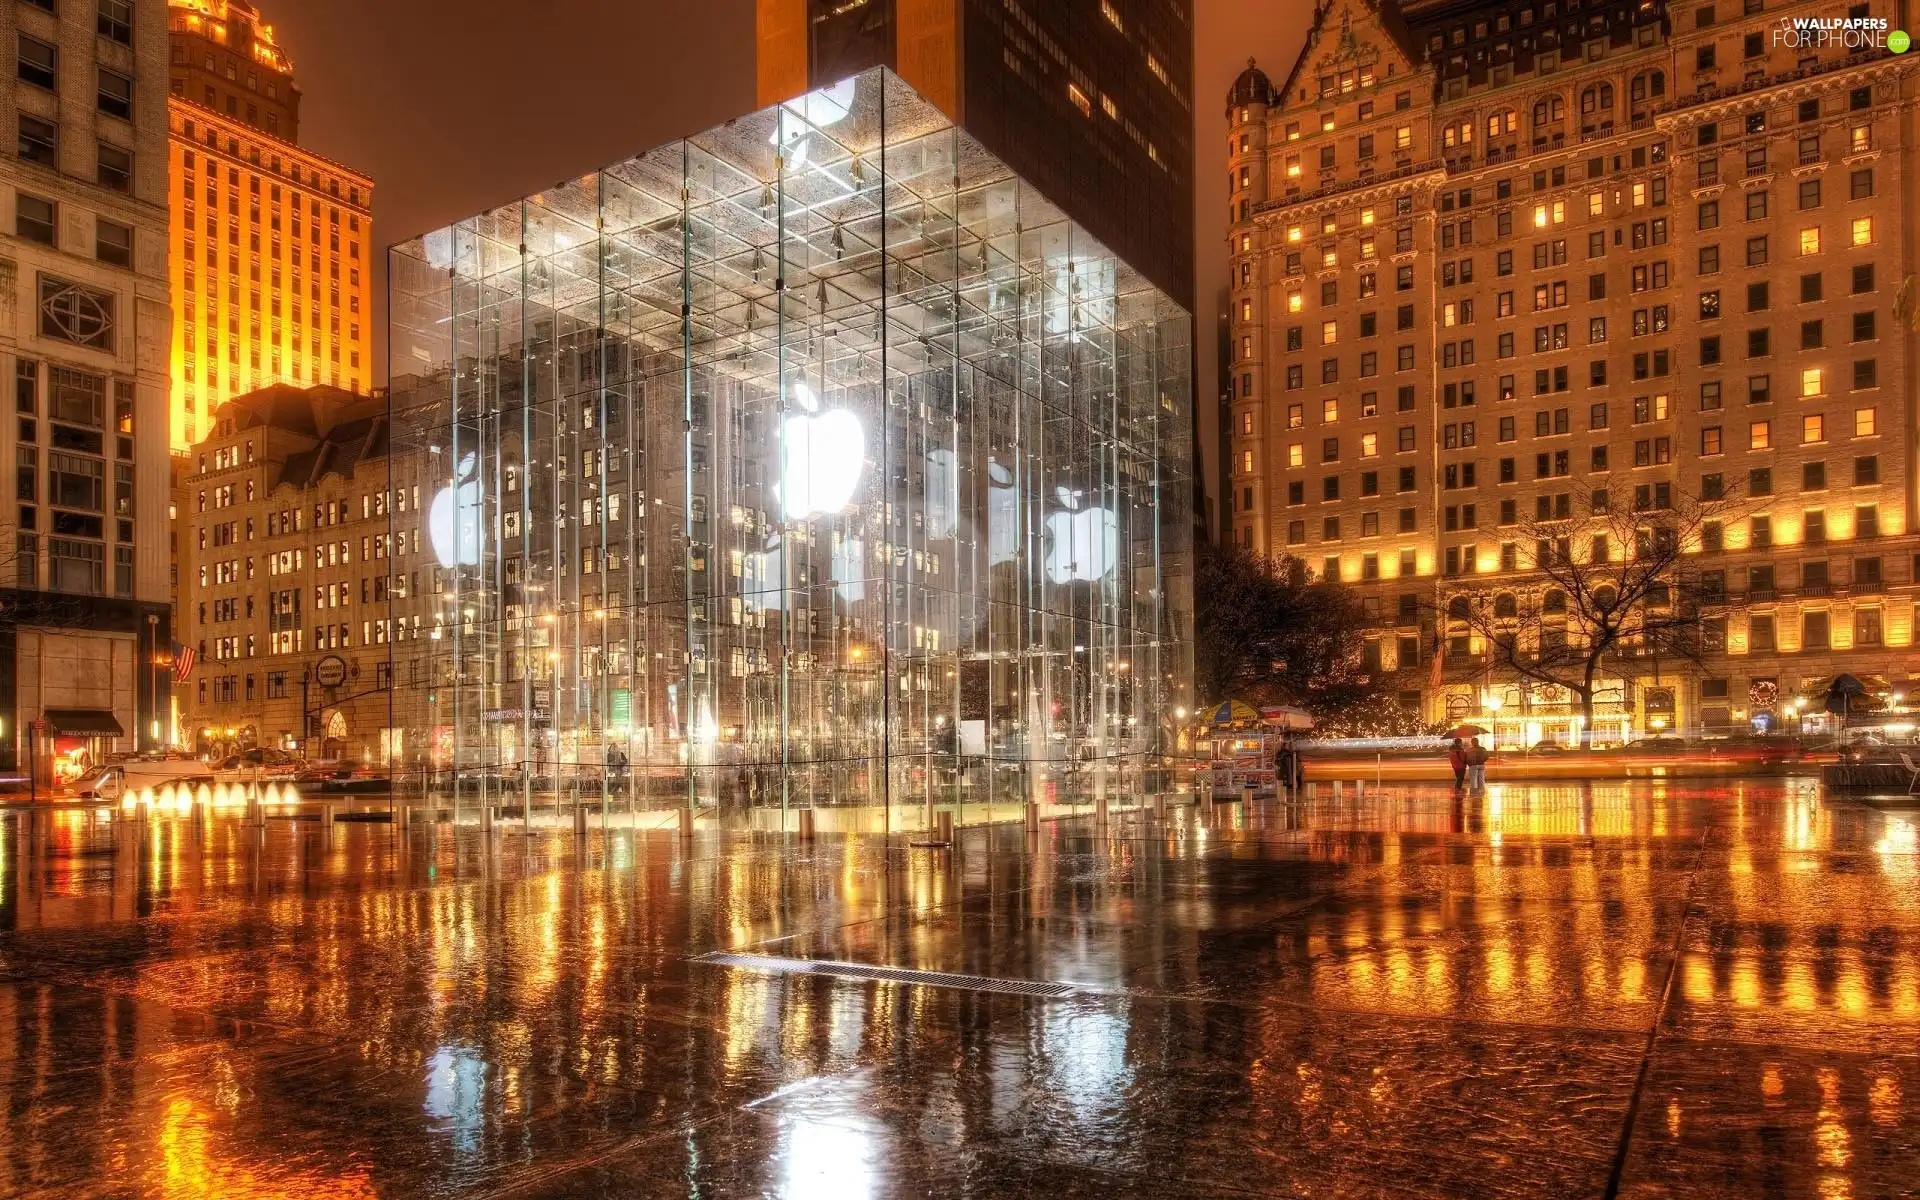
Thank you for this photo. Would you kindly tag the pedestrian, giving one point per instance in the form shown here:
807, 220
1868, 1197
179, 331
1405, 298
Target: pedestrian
1477, 767
1283, 767
1457, 759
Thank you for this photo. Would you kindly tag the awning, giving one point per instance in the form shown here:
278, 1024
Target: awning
84, 722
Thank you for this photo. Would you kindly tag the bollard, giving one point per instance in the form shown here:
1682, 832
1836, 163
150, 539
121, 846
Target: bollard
579, 819
486, 819
1033, 817
256, 814
943, 827
686, 823
806, 824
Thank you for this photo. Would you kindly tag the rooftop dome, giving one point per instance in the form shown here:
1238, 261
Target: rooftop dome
1252, 87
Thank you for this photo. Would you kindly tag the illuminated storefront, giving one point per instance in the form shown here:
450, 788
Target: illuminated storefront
815, 460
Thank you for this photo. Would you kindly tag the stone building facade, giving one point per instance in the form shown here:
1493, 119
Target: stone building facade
1490, 261
83, 336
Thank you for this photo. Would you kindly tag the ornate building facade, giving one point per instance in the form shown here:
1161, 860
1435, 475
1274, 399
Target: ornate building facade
1494, 264
271, 244
83, 335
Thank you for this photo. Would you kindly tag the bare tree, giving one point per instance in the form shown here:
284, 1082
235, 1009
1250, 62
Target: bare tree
1596, 583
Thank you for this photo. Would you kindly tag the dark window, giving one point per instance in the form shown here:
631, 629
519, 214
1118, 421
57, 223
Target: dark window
116, 21
39, 141
116, 94
113, 243
39, 63
116, 168
33, 219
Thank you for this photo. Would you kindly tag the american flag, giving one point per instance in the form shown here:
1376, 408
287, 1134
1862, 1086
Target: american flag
183, 659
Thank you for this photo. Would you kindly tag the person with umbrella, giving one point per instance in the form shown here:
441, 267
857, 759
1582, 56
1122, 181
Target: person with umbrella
1457, 759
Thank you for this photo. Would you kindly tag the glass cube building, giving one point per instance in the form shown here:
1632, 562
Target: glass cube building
812, 462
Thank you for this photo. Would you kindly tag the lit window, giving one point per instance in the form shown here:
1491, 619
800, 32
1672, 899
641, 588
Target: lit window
1246, 462
1403, 138
1246, 242
1330, 257
1329, 410
1293, 131
1559, 212
1112, 14
1540, 216
1639, 195
1293, 166
1596, 204
1759, 437
1326, 123
1811, 382
1865, 422
1295, 301
1079, 99
1860, 138
1813, 428
1366, 248
1246, 310
1369, 445
1810, 240
1296, 455
1328, 226
1329, 333
1294, 233
1862, 231
1107, 106
1366, 216
1447, 314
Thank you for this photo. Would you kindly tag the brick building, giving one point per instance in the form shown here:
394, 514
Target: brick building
1490, 261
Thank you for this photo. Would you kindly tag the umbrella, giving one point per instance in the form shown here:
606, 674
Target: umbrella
1233, 712
1287, 717
1464, 731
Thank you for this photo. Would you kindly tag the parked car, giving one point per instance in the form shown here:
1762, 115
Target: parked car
115, 780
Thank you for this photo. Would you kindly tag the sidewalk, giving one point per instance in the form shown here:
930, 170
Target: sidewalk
1685, 988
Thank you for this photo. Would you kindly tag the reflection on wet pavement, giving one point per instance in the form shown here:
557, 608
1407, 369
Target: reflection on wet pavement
1658, 989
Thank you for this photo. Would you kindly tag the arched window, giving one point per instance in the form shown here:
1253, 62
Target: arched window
1555, 601
1505, 605
1647, 85
1457, 608
1501, 123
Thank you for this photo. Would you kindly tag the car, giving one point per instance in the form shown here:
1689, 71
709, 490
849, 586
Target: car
1546, 747
1658, 744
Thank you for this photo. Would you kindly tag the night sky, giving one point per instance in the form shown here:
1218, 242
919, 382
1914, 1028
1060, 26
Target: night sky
453, 105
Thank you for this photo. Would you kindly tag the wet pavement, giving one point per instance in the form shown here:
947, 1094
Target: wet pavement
1687, 989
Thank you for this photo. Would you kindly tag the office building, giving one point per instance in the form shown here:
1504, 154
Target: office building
1090, 101
291, 530
817, 460
271, 243
83, 328
1493, 263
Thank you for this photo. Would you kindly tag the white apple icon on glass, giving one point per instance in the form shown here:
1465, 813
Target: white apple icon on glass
821, 455
453, 523
818, 109
1083, 543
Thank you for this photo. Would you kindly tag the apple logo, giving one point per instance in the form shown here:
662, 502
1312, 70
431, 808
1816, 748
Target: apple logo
818, 109
1083, 543
453, 523
821, 455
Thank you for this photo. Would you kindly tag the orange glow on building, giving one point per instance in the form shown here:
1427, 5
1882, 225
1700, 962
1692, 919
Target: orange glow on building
270, 249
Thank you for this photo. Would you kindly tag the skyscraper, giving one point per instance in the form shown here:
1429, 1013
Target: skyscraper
1089, 100
271, 243
83, 330
1496, 265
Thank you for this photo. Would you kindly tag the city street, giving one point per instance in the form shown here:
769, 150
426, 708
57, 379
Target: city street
1549, 991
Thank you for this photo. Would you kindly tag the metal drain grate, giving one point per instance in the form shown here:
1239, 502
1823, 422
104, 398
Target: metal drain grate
1044, 989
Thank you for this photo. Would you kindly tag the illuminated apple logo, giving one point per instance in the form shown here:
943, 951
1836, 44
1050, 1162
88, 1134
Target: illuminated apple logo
821, 456
453, 522
1083, 543
818, 109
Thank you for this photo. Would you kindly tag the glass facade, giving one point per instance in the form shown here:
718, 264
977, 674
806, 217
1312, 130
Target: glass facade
815, 461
